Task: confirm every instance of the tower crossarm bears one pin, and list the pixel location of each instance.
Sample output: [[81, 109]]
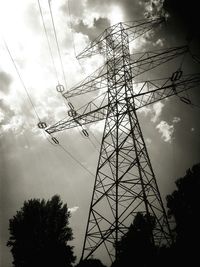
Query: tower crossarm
[[97, 80], [144, 93], [149, 60], [134, 29], [79, 119], [151, 91], [143, 62], [138, 28]]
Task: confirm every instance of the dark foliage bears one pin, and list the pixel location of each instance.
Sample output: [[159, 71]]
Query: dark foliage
[[39, 233], [183, 205], [136, 246], [90, 263]]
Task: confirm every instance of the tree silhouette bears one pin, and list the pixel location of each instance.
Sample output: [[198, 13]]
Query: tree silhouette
[[183, 205], [90, 263], [39, 233], [136, 247]]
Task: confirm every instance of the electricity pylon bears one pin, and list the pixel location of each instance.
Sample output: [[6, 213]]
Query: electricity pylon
[[125, 183]]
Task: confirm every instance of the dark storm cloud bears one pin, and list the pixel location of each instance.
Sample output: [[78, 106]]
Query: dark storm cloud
[[5, 81], [99, 25]]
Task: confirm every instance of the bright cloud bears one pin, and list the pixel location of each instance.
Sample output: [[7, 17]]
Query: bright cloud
[[157, 109], [159, 42], [73, 209], [116, 15], [98, 126], [176, 120], [148, 141], [25, 38], [166, 131], [145, 110]]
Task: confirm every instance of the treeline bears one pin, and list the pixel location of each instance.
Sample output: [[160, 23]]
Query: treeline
[[40, 233]]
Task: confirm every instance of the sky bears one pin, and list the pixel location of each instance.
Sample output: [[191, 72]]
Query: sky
[[31, 166]]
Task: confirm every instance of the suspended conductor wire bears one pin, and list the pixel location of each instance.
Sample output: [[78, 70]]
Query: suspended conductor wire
[[187, 101], [12, 59], [194, 105], [49, 46], [75, 54], [77, 161], [20, 77], [195, 57], [24, 86], [56, 38], [182, 61], [47, 38], [93, 144], [70, 25], [73, 42], [95, 138], [74, 49]]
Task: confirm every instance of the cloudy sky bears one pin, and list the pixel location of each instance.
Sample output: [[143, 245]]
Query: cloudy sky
[[30, 165]]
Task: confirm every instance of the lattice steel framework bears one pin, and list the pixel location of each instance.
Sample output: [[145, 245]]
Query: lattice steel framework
[[125, 182]]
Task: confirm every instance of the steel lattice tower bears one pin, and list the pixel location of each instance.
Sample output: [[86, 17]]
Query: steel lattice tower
[[125, 183]]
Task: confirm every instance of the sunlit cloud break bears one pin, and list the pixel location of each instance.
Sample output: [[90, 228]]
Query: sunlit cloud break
[[73, 209], [157, 110], [166, 131]]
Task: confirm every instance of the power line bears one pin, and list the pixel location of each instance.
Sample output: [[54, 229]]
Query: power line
[[75, 54], [73, 42], [50, 50], [70, 25], [28, 95], [20, 77], [195, 57], [49, 46], [77, 161], [57, 143], [56, 38], [93, 144], [95, 138], [194, 105], [47, 38]]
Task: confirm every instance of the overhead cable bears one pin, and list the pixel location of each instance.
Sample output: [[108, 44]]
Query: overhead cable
[[48, 41], [20, 77], [37, 115], [73, 42], [58, 47], [57, 143]]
